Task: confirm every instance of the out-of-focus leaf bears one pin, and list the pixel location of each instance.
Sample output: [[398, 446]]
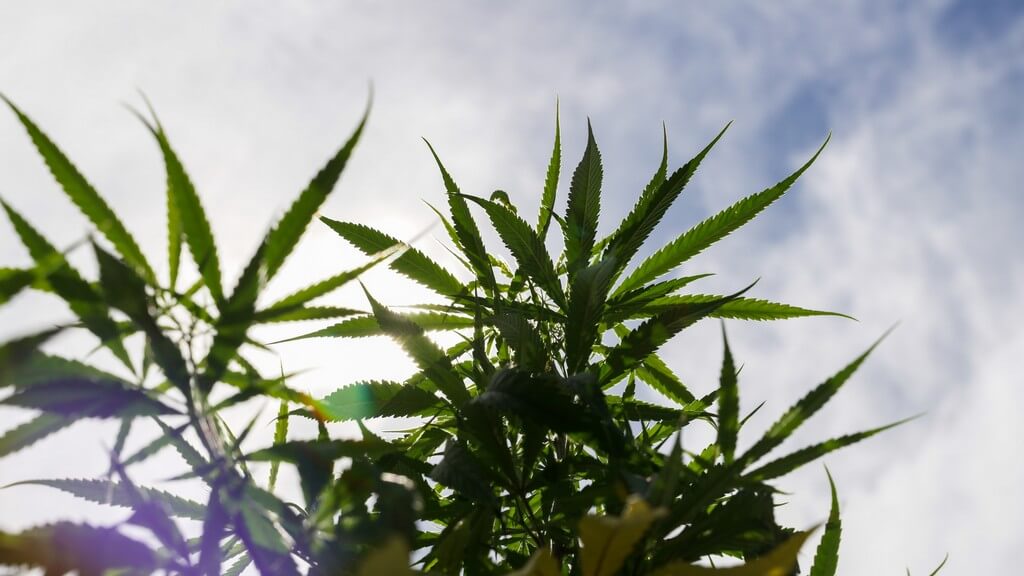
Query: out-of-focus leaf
[[13, 281], [778, 562], [365, 400], [112, 493], [87, 550], [542, 563], [81, 398], [391, 558], [607, 541], [70, 286], [24, 435]]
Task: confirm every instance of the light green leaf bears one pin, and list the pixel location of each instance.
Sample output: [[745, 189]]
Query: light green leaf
[[412, 263], [466, 230], [428, 356], [190, 213], [85, 197], [547, 200], [527, 248]]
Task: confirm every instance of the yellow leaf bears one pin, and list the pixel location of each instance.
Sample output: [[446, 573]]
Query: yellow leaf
[[608, 541], [778, 562], [542, 563], [392, 559]]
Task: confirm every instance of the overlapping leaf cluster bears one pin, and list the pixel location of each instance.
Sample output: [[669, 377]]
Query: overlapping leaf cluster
[[546, 441]]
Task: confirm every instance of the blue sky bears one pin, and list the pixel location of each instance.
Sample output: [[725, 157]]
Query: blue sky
[[911, 215]]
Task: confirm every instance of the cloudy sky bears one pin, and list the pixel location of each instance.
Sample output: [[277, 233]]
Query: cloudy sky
[[911, 214]]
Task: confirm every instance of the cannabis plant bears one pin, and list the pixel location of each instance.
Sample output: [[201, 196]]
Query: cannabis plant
[[533, 444]]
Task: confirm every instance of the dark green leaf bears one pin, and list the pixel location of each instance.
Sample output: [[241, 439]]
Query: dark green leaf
[[527, 248], [640, 343], [709, 231], [70, 286], [651, 207], [584, 207], [790, 462], [728, 404], [190, 213], [826, 559], [804, 409], [82, 397], [370, 326], [88, 550]]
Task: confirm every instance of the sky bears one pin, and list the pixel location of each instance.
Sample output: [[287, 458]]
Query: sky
[[910, 216]]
